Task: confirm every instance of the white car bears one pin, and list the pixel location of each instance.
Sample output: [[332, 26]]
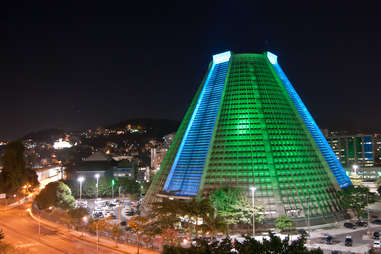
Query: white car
[[376, 244]]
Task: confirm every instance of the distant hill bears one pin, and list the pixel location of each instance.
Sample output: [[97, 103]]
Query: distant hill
[[46, 135], [155, 127]]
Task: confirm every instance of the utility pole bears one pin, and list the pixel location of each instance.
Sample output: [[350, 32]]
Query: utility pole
[[367, 207], [112, 188], [97, 237], [97, 177], [119, 205], [253, 204], [39, 224], [308, 218]]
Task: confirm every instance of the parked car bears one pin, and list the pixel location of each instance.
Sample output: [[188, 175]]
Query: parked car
[[326, 239], [377, 221], [97, 214], [376, 244], [130, 213], [376, 235], [361, 223], [349, 225], [302, 231], [115, 202], [348, 241]]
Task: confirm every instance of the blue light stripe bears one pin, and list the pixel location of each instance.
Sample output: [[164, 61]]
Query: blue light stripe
[[335, 166], [188, 166]]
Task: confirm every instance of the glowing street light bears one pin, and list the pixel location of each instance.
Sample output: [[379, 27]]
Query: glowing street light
[[355, 168], [112, 187], [80, 180], [97, 177], [253, 189]]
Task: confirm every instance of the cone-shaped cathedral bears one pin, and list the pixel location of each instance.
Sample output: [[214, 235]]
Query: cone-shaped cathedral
[[247, 126]]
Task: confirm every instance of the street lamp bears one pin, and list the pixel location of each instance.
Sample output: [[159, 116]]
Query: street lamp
[[97, 236], [112, 187], [308, 216], [80, 180], [253, 189], [355, 167], [97, 177]]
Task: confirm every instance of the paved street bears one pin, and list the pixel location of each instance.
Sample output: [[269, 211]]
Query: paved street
[[360, 245], [22, 231]]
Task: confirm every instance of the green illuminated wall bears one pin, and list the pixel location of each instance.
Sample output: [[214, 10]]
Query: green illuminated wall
[[260, 140]]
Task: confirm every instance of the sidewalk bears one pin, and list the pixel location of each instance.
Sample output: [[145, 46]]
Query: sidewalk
[[103, 241]]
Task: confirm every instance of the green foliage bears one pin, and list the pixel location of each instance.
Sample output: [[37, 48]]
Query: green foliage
[[356, 198], [248, 246], [235, 206], [243, 210], [14, 173], [186, 217], [55, 194], [75, 216], [116, 231], [283, 223], [89, 189], [77, 213]]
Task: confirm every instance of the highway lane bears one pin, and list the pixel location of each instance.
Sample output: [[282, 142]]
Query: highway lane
[[22, 231]]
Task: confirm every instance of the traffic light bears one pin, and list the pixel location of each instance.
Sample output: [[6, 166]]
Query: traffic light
[[113, 182]]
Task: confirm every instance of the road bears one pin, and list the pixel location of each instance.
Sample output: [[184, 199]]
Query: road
[[22, 232]]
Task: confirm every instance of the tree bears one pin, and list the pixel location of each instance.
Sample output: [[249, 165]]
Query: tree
[[283, 223], [100, 225], [116, 232], [235, 206], [170, 237], [242, 210], [137, 225], [76, 215], [356, 199], [213, 223], [222, 200], [166, 215], [185, 216], [127, 186], [55, 194], [14, 174], [248, 246]]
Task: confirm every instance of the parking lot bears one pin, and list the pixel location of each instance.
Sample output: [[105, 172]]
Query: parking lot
[[109, 208]]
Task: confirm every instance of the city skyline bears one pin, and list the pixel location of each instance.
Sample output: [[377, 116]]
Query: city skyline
[[80, 66]]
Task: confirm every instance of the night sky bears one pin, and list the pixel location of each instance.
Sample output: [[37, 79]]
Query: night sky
[[75, 65]]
